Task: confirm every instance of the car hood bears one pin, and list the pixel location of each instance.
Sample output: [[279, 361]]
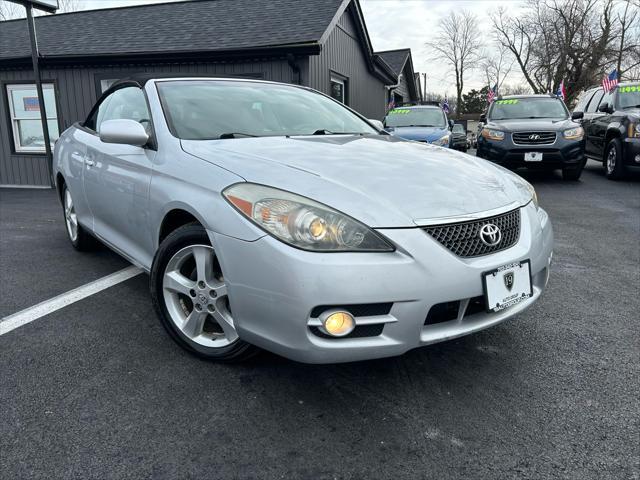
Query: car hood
[[380, 180], [423, 134], [631, 111], [532, 125]]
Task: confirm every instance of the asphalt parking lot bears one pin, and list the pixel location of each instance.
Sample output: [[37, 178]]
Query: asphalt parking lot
[[98, 390]]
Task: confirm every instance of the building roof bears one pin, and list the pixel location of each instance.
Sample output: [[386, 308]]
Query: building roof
[[396, 59], [191, 26]]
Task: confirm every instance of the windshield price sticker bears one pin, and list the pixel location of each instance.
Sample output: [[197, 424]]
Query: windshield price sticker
[[507, 102], [399, 111], [629, 89]]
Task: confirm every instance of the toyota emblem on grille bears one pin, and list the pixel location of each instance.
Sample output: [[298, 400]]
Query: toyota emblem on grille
[[534, 136], [490, 235]]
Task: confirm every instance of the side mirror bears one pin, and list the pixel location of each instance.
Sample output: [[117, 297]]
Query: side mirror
[[605, 108], [376, 123], [483, 118], [124, 131], [451, 124], [577, 115]]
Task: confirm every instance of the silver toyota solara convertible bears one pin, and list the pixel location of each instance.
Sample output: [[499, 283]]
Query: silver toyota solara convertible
[[272, 216]]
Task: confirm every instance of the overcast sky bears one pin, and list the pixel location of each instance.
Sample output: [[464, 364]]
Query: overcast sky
[[405, 23]]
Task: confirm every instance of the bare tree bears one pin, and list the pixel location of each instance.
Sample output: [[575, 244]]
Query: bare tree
[[496, 64], [10, 10], [458, 44], [571, 40], [439, 97], [70, 6], [628, 46], [516, 90]]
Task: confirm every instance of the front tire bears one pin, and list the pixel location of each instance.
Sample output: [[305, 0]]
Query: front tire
[[78, 236], [572, 174], [190, 296], [613, 166]]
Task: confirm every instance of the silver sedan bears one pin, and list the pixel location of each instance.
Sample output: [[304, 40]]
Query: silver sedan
[[272, 216]]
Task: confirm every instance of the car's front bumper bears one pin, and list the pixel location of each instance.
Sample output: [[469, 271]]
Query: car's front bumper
[[276, 290], [562, 153], [631, 152]]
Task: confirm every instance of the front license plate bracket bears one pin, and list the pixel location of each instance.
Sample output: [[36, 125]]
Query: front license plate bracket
[[507, 285]]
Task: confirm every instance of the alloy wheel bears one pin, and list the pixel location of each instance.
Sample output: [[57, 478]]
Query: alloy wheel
[[70, 217], [195, 295]]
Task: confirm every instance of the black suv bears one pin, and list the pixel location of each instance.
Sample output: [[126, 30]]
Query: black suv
[[533, 131], [612, 127], [459, 137]]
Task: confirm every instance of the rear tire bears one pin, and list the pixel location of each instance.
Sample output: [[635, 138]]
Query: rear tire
[[190, 297], [78, 236], [613, 166]]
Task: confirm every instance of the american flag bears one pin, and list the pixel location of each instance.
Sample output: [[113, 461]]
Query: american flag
[[609, 82], [392, 104], [445, 105], [493, 93], [561, 91]]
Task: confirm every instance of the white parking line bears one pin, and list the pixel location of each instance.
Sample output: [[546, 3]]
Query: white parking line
[[30, 314]]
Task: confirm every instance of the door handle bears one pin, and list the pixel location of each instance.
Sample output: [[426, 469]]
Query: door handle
[[77, 156]]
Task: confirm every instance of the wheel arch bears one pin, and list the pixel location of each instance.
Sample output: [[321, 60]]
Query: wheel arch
[[60, 183], [614, 131], [175, 217]]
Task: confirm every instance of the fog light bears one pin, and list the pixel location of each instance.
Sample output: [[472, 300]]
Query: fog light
[[637, 159], [337, 323]]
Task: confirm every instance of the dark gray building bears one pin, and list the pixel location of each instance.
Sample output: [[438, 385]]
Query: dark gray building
[[320, 43], [407, 88]]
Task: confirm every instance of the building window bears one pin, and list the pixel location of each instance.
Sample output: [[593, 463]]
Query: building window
[[339, 89], [24, 110]]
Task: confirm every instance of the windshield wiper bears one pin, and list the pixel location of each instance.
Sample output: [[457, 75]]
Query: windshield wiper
[[630, 106], [225, 136]]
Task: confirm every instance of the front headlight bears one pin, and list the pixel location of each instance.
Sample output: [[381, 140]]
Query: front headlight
[[634, 130], [302, 222], [491, 134], [442, 141], [574, 133]]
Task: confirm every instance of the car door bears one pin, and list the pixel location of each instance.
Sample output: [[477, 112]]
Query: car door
[[117, 178], [591, 114], [600, 124]]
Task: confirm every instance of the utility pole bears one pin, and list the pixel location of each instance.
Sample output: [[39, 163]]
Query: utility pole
[[424, 97]]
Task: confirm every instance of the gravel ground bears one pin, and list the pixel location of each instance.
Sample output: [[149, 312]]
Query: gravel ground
[[98, 390]]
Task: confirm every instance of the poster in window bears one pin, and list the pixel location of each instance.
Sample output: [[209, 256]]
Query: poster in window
[[31, 104]]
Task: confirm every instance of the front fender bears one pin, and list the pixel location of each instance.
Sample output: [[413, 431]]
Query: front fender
[[200, 196]]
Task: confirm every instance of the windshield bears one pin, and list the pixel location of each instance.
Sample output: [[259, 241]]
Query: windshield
[[628, 96], [211, 109], [532, 107], [415, 117], [458, 128]]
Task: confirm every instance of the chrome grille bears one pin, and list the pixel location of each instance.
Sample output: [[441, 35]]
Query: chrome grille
[[463, 238], [534, 138]]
